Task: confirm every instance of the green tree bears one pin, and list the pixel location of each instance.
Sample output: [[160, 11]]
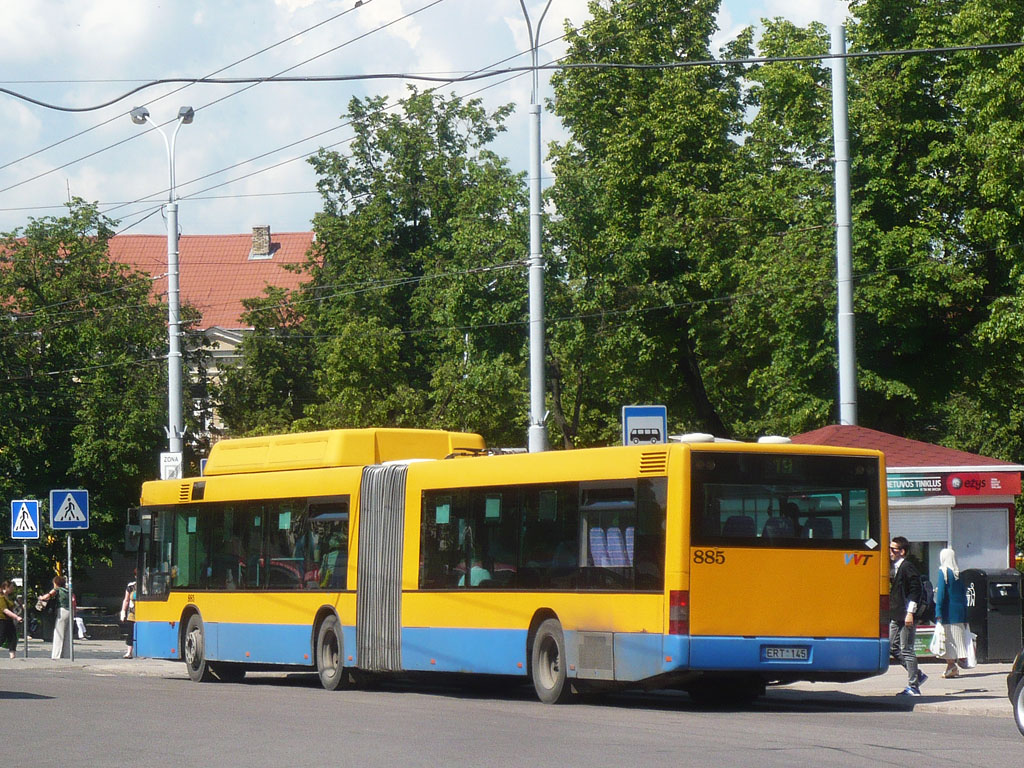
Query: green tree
[[82, 387], [778, 357], [414, 312], [644, 239], [936, 230], [272, 387]]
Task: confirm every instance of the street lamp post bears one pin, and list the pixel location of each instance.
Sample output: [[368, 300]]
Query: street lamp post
[[537, 436], [175, 426]]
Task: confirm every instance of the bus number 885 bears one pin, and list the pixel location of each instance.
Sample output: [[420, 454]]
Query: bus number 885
[[709, 556]]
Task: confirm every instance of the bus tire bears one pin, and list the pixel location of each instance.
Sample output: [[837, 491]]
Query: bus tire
[[1018, 706], [195, 651], [330, 649], [548, 664]]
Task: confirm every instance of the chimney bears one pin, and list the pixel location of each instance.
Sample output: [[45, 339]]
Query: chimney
[[260, 243]]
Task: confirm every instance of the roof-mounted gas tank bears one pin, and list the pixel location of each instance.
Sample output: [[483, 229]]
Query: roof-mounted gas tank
[[335, 448]]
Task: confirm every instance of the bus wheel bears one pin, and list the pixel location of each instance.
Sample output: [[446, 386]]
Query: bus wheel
[[329, 649], [547, 664], [1017, 700], [195, 651]]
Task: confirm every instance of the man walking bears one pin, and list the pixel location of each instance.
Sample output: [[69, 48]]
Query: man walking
[[904, 595]]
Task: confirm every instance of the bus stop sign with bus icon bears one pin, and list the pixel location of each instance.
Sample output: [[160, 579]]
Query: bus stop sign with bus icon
[[644, 424]]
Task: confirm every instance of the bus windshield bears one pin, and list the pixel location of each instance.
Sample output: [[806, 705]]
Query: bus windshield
[[772, 500]]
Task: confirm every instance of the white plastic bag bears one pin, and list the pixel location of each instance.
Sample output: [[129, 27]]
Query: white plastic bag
[[937, 647], [972, 654]]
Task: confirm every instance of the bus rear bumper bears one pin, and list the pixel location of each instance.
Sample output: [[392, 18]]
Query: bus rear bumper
[[791, 657]]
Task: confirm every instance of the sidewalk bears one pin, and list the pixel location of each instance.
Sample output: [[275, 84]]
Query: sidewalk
[[97, 656], [980, 691]]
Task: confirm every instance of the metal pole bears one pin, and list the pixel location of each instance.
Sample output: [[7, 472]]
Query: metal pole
[[537, 436], [71, 607], [844, 238], [174, 419], [24, 598], [175, 422]]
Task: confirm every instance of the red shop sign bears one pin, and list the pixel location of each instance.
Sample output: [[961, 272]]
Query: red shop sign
[[982, 483]]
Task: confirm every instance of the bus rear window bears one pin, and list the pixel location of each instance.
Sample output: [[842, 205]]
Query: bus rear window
[[783, 500]]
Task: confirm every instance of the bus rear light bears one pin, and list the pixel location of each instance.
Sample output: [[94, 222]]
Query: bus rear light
[[678, 612], [883, 616]]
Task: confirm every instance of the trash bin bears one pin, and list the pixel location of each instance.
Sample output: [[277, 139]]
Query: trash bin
[[994, 611], [44, 624]]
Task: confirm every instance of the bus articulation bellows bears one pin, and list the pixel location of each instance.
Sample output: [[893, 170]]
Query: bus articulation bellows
[[711, 566]]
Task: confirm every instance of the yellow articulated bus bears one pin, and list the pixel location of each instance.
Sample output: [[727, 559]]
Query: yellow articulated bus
[[714, 567]]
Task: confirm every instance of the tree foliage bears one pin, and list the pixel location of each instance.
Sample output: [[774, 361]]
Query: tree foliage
[[644, 236], [82, 382], [414, 312]]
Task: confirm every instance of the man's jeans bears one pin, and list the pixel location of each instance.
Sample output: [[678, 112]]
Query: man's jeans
[[901, 648]]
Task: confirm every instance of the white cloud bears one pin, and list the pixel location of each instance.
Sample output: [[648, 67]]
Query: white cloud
[[378, 13], [128, 42]]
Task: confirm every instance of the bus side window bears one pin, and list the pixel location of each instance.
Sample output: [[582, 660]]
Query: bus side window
[[549, 545], [284, 559], [328, 559]]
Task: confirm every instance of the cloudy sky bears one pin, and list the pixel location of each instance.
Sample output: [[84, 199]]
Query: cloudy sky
[[241, 163]]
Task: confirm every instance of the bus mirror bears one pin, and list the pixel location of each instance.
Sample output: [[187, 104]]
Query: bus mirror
[[132, 534], [132, 531]]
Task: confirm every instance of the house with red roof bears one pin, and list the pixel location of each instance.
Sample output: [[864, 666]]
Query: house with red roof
[[940, 497], [216, 272]]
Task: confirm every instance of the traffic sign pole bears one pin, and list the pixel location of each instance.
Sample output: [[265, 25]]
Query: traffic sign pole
[[71, 606], [24, 599]]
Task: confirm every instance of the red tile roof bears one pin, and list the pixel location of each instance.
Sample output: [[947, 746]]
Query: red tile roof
[[215, 271], [899, 451]]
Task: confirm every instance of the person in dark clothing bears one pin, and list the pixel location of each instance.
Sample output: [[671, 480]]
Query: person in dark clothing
[[9, 618], [904, 595]]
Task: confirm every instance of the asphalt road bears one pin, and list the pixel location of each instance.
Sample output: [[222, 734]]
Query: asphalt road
[[104, 711]]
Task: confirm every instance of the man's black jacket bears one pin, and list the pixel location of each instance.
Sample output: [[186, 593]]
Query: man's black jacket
[[905, 586]]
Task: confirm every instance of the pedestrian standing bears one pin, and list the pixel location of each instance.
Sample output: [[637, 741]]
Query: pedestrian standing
[[128, 615], [904, 595], [9, 618], [62, 629], [951, 612]]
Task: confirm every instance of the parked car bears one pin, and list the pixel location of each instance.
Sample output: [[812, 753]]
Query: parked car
[[1015, 690]]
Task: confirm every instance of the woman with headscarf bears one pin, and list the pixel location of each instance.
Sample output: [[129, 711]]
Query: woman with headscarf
[[951, 612]]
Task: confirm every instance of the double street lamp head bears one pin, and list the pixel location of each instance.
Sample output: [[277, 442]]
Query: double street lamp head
[[185, 115]]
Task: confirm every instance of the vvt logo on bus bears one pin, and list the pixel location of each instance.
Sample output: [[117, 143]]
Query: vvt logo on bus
[[857, 558]]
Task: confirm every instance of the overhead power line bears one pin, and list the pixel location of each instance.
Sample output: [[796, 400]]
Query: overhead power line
[[252, 82], [305, 155], [451, 79], [176, 90]]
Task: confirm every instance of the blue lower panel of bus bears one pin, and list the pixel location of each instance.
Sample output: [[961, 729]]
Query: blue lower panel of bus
[[157, 640], [490, 651], [637, 656], [251, 643], [789, 654], [259, 643]]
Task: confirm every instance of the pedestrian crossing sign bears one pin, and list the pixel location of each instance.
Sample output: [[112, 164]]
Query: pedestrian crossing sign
[[25, 519], [69, 510]]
